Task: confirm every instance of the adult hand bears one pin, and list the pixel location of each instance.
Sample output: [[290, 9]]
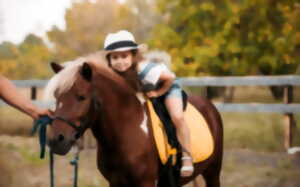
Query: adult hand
[[39, 112]]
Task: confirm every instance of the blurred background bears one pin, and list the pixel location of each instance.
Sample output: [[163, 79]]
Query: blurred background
[[204, 38]]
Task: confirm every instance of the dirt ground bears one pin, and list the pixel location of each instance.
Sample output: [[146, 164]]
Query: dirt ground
[[20, 166]]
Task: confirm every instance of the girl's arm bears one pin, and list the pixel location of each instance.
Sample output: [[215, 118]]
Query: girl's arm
[[167, 81], [9, 93]]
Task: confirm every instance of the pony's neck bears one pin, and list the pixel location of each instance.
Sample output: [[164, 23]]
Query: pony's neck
[[121, 111]]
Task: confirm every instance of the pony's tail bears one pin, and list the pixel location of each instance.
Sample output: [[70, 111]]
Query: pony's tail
[[157, 56]]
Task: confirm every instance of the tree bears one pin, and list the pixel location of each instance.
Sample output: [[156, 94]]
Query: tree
[[228, 37], [87, 23], [33, 60], [8, 54]]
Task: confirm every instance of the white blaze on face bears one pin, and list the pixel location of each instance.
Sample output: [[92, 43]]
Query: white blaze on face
[[143, 125]]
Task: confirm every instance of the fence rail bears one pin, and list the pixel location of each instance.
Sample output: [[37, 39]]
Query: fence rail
[[284, 80], [242, 81], [30, 83], [287, 107]]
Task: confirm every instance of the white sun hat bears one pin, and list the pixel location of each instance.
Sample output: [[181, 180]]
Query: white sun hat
[[122, 40]]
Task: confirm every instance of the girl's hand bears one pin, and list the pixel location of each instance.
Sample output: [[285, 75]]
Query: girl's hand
[[152, 94]]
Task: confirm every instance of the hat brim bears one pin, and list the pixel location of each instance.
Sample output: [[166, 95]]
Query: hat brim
[[141, 48]]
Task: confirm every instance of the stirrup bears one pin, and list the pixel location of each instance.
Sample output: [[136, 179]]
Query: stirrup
[[189, 169]]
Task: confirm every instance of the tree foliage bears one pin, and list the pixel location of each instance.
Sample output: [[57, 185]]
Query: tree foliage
[[27, 60], [33, 60], [229, 37], [204, 37], [87, 23]]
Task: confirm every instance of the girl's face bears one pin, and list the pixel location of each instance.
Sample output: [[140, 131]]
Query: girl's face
[[121, 61]]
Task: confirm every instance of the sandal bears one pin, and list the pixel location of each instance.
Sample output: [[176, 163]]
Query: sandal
[[186, 169]]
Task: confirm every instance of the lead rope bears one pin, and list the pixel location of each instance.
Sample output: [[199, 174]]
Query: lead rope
[[51, 166], [41, 125], [74, 163]]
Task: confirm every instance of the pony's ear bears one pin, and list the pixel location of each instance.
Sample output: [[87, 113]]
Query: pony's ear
[[56, 67], [86, 72]]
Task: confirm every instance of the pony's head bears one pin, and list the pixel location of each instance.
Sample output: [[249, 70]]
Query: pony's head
[[71, 87]]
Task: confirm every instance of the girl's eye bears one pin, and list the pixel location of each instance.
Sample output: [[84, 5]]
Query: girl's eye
[[115, 57], [124, 56], [80, 97]]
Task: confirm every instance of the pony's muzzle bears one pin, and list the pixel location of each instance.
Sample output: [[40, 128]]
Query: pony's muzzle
[[77, 135]]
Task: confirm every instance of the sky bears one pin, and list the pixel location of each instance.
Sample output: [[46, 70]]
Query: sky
[[20, 17]]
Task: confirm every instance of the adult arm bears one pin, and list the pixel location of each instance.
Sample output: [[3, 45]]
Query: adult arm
[[10, 94]]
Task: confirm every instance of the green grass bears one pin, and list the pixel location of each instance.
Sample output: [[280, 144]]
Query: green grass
[[248, 168], [13, 122], [31, 157], [256, 131]]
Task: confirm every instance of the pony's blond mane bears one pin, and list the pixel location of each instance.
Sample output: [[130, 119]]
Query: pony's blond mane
[[64, 80]]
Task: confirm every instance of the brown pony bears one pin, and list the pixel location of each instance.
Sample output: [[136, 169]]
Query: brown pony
[[91, 95]]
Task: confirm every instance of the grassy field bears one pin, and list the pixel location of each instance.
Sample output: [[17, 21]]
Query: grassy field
[[254, 154]]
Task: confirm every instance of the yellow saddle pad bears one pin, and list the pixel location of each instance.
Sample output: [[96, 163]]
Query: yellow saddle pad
[[202, 144]]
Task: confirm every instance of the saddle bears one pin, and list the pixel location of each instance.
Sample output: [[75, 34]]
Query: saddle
[[164, 132]]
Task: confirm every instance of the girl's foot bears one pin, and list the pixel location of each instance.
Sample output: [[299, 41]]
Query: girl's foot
[[187, 167]]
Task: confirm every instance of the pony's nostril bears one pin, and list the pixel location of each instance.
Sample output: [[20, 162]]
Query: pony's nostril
[[77, 135], [61, 137]]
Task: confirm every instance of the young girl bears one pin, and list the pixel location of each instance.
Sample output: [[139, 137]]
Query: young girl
[[157, 80]]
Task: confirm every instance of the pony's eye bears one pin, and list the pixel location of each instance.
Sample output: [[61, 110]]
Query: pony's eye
[[80, 97]]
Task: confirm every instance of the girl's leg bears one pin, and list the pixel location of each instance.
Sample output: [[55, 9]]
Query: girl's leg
[[175, 109]]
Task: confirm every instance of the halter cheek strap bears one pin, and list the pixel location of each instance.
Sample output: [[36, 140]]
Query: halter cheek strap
[[95, 105], [70, 123]]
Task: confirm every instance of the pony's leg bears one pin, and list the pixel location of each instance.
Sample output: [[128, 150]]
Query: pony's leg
[[197, 182], [117, 184], [147, 184], [136, 184], [212, 175]]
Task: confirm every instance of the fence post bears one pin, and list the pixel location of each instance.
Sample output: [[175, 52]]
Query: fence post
[[289, 120], [205, 92], [33, 93]]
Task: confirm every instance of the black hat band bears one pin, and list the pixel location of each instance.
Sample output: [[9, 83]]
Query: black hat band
[[121, 44]]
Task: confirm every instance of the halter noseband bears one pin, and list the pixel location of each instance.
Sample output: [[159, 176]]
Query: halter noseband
[[70, 123]]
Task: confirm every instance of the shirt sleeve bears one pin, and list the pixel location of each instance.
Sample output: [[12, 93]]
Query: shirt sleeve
[[152, 77], [149, 73]]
